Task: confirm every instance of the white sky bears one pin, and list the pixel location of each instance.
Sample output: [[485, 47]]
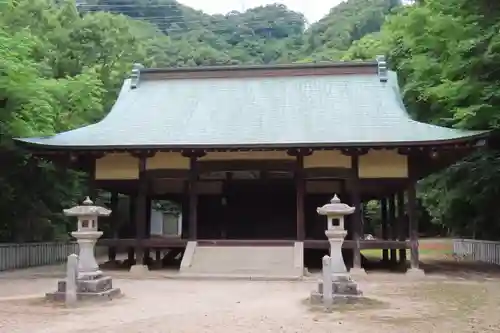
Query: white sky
[[312, 9]]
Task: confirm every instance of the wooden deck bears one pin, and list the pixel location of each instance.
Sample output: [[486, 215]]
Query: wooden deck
[[165, 242]]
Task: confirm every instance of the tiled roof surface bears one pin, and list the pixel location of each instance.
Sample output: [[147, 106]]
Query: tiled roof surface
[[324, 110]]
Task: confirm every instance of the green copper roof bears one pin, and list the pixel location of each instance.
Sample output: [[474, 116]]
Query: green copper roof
[[286, 111]]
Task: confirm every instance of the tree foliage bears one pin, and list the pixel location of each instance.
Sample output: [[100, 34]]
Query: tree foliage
[[61, 67], [446, 53]]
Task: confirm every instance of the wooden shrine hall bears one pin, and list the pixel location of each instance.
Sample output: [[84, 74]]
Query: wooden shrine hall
[[249, 152]]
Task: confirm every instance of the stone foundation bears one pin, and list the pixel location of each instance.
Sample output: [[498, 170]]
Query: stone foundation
[[97, 288], [344, 290]]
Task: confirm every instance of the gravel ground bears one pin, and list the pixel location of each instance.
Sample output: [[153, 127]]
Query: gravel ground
[[159, 305]]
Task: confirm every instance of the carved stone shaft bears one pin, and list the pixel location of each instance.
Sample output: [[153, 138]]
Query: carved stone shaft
[[327, 282], [71, 277]]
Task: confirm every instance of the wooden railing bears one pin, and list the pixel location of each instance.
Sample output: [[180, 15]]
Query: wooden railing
[[25, 255], [477, 250]]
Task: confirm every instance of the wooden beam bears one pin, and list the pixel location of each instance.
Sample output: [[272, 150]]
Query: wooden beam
[[363, 244], [167, 174], [333, 173], [243, 165], [176, 242], [245, 242]]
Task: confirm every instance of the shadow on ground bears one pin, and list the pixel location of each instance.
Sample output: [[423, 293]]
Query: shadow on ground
[[460, 269]]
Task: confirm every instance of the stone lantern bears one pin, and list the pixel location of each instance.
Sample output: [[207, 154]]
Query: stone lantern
[[86, 235], [335, 232], [86, 281], [336, 285]]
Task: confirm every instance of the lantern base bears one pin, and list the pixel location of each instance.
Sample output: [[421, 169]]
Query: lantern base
[[97, 288], [87, 296], [344, 290]]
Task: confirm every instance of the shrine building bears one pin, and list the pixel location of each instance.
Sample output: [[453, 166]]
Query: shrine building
[[250, 152]]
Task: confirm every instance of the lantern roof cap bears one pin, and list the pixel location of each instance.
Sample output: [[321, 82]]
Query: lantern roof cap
[[335, 207], [87, 208]]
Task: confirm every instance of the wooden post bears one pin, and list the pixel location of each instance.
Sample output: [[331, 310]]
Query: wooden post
[[383, 213], [132, 201], [401, 226], [356, 216], [193, 199], [140, 210], [114, 224], [147, 227], [300, 195], [225, 213], [91, 178], [392, 226], [413, 222]]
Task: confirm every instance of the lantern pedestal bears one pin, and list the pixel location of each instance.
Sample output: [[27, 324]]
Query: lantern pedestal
[[87, 263], [336, 239], [88, 280]]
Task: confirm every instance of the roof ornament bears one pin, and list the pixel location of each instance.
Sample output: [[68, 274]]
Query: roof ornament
[[382, 68], [135, 75]]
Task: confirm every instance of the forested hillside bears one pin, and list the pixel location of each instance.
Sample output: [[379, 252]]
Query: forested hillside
[[62, 64]]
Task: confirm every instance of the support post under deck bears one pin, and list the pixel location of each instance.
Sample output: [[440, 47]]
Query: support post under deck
[[300, 195], [401, 225], [140, 210], [356, 216], [383, 213], [193, 198], [114, 225], [392, 227], [413, 224]]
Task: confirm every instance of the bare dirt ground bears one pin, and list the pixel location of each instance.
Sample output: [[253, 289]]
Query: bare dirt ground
[[436, 303]]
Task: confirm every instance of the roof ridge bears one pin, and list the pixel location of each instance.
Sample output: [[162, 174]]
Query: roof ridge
[[322, 64], [377, 67]]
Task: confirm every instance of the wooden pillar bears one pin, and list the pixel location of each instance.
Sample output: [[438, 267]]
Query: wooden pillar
[[356, 216], [193, 198], [140, 210], [300, 185], [383, 217], [132, 199], [114, 224], [91, 178], [392, 227], [147, 226], [413, 225], [401, 226], [224, 225]]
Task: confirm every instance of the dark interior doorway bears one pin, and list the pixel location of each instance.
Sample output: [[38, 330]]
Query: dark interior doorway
[[250, 209]]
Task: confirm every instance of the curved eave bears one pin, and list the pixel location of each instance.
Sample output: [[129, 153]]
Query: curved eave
[[43, 144]]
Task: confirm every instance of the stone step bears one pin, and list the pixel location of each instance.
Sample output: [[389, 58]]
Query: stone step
[[245, 260]]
